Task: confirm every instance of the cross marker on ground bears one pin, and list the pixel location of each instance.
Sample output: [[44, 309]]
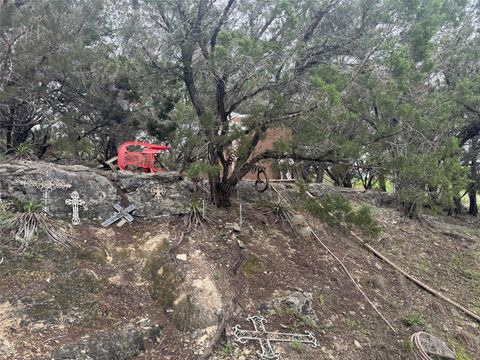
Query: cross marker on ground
[[265, 338], [122, 215]]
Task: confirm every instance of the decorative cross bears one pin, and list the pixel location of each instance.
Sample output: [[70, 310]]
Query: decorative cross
[[158, 192], [265, 338], [121, 214], [75, 202], [46, 185]]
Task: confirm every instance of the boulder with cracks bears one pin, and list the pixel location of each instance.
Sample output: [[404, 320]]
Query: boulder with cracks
[[125, 343]]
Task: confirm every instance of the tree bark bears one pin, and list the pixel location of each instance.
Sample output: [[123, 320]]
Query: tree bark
[[111, 147], [472, 190], [457, 201], [382, 184], [320, 172]]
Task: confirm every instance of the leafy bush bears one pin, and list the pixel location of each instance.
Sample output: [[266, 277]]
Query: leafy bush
[[336, 210]]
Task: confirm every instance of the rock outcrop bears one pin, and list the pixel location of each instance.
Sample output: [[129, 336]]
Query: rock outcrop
[[123, 344], [157, 194], [20, 182], [154, 195]]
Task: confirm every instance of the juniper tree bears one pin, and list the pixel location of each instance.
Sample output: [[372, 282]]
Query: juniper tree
[[254, 57]]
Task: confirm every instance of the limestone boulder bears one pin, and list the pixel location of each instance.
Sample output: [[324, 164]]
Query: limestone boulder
[[25, 181], [124, 343], [156, 195]]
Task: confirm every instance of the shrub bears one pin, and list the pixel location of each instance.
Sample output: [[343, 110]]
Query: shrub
[[336, 210]]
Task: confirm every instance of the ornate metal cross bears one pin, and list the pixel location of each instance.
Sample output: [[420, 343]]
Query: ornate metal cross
[[158, 192], [265, 338], [75, 202], [121, 214], [46, 185]]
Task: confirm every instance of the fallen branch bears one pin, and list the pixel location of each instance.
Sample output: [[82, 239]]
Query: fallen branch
[[344, 268], [415, 280], [408, 276]]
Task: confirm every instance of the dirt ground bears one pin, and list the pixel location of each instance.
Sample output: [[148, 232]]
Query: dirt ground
[[49, 297]]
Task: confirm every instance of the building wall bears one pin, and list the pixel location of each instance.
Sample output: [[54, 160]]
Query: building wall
[[272, 135]]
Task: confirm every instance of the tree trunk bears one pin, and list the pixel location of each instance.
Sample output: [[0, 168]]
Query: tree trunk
[[382, 183], [111, 147], [472, 190], [457, 201], [320, 172], [220, 191]]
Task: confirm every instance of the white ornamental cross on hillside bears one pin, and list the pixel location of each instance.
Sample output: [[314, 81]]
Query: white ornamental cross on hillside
[[46, 185], [265, 337], [75, 202]]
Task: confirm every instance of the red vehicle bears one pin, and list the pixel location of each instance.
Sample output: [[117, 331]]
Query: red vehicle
[[141, 155]]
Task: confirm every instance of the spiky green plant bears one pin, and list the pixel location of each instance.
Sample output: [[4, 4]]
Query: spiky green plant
[[25, 151], [281, 210], [195, 216]]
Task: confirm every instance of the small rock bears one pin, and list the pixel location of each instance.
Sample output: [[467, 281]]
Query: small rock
[[378, 266], [357, 344], [240, 243], [182, 257], [299, 220], [305, 231]]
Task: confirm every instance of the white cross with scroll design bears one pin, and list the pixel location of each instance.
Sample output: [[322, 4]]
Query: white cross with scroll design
[[158, 192], [75, 202], [265, 338], [46, 185]]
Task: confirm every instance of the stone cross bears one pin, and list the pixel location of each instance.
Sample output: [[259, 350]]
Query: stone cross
[[158, 192], [265, 338], [75, 202], [121, 214], [46, 185]]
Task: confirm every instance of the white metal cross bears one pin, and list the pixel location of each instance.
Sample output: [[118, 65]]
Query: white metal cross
[[158, 192], [75, 202], [46, 185], [265, 338]]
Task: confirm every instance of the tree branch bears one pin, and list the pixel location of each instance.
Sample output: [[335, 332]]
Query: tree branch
[[221, 21]]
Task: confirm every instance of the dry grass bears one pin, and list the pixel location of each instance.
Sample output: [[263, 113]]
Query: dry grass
[[21, 229]]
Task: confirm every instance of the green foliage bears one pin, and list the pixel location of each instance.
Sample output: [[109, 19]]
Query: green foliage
[[298, 347], [460, 351], [29, 207], [414, 319], [194, 216], [201, 170], [227, 350], [336, 210], [252, 266], [431, 179], [25, 151]]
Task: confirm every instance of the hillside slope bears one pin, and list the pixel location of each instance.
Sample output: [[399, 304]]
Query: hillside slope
[[174, 287]]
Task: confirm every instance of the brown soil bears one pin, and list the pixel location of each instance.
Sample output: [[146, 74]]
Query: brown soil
[[442, 251]]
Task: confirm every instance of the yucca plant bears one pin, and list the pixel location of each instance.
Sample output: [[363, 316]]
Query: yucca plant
[[24, 226], [195, 217], [281, 210], [25, 151]]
